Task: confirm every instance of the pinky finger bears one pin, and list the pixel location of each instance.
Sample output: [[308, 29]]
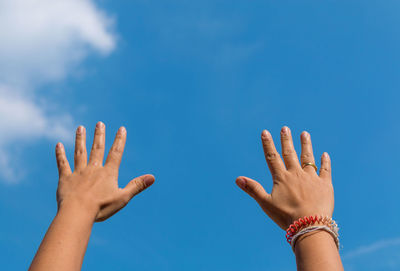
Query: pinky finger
[[326, 171], [62, 163]]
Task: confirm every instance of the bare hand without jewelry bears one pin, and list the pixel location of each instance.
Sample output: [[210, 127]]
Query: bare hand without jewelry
[[93, 186]]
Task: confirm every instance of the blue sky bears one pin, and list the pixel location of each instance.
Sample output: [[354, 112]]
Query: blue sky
[[195, 83]]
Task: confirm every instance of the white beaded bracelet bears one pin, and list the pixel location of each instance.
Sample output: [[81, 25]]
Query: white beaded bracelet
[[334, 233]]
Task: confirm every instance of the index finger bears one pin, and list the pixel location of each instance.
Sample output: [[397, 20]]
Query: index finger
[[272, 157], [115, 155]]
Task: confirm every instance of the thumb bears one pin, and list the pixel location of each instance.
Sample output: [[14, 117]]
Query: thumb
[[254, 189], [138, 184]]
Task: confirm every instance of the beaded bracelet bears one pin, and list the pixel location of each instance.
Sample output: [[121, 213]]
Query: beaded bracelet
[[323, 223], [334, 235]]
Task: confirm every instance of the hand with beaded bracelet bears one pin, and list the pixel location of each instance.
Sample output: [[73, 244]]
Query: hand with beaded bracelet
[[301, 201]]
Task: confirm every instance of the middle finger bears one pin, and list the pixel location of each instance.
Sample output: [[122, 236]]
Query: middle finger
[[288, 152]]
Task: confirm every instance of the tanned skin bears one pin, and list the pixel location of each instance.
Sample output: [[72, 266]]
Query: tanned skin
[[296, 193], [89, 194]]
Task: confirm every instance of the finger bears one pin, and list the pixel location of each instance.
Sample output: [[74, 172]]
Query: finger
[[62, 163], [80, 149], [97, 152], [254, 189], [137, 185], [325, 171], [274, 161], [288, 153], [307, 155], [115, 155]]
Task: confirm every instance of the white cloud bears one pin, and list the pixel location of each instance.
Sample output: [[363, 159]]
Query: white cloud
[[371, 248], [379, 255], [42, 41], [24, 117]]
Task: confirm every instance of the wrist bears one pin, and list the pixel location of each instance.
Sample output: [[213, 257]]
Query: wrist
[[307, 225], [82, 210]]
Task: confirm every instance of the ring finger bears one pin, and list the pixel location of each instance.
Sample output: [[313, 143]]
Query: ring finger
[[307, 156]]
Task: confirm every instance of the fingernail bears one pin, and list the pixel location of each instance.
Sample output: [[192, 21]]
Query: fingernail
[[79, 130], [265, 134], [122, 130], [59, 145], [148, 180], [99, 125], [285, 130], [326, 155], [241, 183], [305, 135]]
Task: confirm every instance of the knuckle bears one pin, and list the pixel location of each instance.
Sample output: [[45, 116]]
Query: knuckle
[[288, 152], [285, 136], [61, 161], [119, 136], [325, 169], [99, 131], [278, 176], [259, 190], [306, 155], [59, 157], [59, 153], [267, 141], [272, 156], [98, 146], [113, 162], [139, 184], [79, 151], [117, 149], [286, 139], [79, 137]]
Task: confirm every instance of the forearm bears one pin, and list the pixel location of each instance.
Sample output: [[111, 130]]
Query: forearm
[[317, 251], [65, 242]]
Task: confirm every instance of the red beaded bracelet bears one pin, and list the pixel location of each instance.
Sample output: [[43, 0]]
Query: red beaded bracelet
[[307, 221]]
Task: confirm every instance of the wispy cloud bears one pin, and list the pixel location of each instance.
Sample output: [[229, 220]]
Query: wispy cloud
[[42, 41], [215, 39], [371, 248]]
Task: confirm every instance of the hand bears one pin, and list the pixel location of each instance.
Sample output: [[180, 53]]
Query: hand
[[296, 192], [92, 186]]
